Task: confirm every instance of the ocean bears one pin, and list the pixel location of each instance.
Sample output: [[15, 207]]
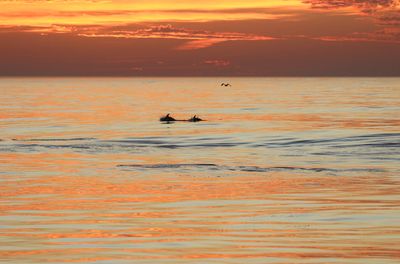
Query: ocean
[[282, 170]]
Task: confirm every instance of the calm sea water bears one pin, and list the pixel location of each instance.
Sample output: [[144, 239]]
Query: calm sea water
[[284, 170]]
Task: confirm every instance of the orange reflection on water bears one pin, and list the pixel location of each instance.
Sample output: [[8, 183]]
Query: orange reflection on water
[[262, 214], [65, 198]]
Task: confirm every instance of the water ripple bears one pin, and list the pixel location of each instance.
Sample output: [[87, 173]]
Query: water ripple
[[212, 166], [370, 146]]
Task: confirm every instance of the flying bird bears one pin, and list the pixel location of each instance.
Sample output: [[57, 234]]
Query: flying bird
[[226, 84]]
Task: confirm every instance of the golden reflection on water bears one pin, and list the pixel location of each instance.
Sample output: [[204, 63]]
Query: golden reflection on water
[[63, 204], [77, 218]]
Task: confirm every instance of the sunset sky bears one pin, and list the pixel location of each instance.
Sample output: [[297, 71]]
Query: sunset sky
[[200, 38]]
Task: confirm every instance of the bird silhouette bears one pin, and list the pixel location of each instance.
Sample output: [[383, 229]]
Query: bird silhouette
[[226, 84]]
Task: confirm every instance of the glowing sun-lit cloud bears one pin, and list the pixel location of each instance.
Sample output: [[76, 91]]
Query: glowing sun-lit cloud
[[388, 35], [365, 5], [81, 12], [386, 13], [174, 37], [196, 38]]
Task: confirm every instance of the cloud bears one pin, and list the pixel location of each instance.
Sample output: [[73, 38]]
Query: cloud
[[130, 14], [385, 35], [385, 11], [391, 17], [218, 63], [54, 1], [355, 20], [53, 29], [199, 44], [197, 39], [386, 14], [263, 13], [10, 29], [137, 69], [364, 5]]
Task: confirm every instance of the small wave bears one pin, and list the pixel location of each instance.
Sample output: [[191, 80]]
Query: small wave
[[55, 146], [378, 145], [385, 135], [57, 139], [250, 109], [174, 143], [382, 146], [371, 140], [242, 168], [140, 141], [167, 166]]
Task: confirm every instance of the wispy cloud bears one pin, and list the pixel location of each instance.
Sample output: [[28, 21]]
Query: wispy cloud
[[52, 29], [389, 17], [218, 63], [73, 16], [364, 5], [197, 39], [264, 13], [386, 13], [385, 35]]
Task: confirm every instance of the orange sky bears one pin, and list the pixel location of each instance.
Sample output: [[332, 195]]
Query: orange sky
[[208, 37]]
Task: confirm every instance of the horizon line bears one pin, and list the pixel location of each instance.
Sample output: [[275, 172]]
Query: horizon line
[[199, 76]]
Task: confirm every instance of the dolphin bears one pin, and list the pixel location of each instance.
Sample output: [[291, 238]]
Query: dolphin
[[167, 118]]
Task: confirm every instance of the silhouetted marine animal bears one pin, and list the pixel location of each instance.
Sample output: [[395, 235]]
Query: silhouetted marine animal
[[195, 119], [167, 118], [226, 84]]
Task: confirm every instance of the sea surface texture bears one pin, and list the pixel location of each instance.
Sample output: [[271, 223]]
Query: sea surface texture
[[283, 170]]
